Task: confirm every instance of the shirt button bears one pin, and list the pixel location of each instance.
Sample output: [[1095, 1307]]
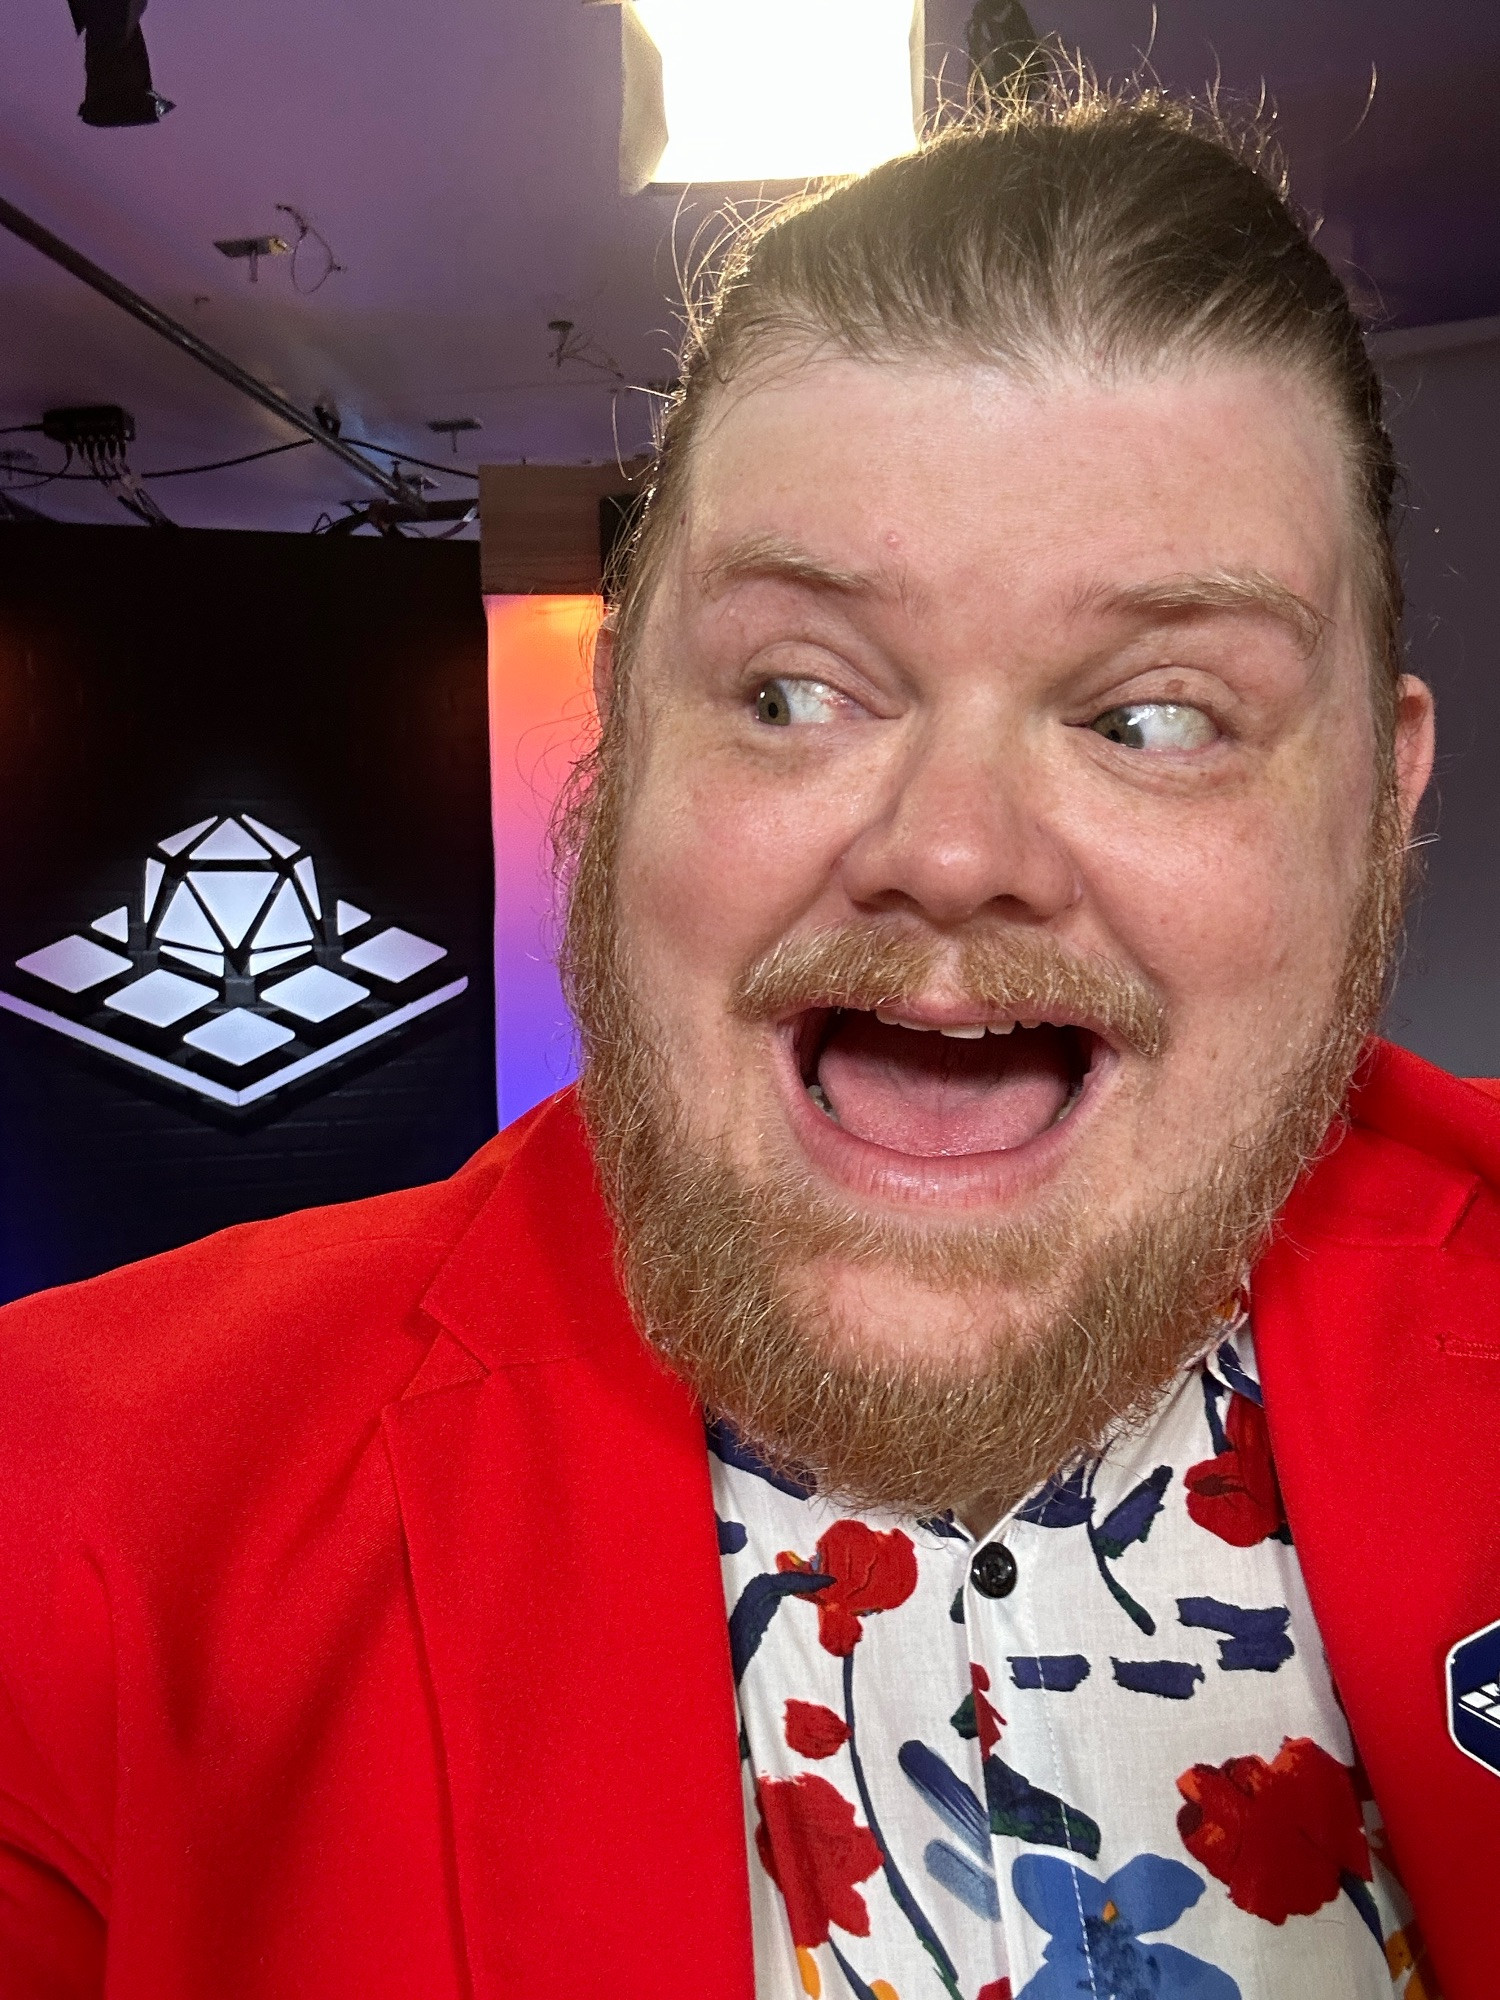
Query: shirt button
[[993, 1570]]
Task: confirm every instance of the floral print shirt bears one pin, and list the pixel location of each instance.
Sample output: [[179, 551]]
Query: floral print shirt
[[1098, 1753]]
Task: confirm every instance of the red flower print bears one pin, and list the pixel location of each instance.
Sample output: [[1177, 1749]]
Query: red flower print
[[872, 1570], [1236, 1496], [988, 1720], [814, 1731], [814, 1852], [996, 1989], [1279, 1836]]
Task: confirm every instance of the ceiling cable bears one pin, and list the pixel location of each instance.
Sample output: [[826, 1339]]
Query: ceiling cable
[[427, 464], [53, 247], [182, 471], [308, 231]]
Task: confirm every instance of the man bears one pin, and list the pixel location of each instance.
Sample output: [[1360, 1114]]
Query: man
[[980, 899]]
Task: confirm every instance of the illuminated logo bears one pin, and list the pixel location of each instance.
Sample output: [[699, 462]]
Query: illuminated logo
[[233, 976]]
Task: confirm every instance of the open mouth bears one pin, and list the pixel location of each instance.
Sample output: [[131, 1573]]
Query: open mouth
[[948, 1090]]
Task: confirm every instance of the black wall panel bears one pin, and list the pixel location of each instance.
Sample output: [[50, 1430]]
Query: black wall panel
[[333, 689]]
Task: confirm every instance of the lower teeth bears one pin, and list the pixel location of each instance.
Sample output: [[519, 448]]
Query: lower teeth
[[1073, 1097]]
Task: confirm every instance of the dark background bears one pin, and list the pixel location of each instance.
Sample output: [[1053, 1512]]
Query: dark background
[[1445, 415], [334, 688]]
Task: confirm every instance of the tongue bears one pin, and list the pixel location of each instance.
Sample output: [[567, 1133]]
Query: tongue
[[933, 1094]]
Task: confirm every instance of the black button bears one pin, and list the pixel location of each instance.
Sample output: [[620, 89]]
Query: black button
[[993, 1570]]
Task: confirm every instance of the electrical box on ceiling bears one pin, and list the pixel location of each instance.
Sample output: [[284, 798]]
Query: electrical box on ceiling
[[86, 425]]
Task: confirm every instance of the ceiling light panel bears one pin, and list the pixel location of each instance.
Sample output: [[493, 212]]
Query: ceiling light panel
[[759, 90]]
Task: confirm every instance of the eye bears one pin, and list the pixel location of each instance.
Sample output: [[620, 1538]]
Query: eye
[[781, 703], [1156, 725]]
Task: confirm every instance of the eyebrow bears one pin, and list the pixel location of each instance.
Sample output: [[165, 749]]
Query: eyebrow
[[1251, 592], [1237, 592], [775, 559]]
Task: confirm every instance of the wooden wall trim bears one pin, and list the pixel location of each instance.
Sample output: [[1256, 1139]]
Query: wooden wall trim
[[539, 524]]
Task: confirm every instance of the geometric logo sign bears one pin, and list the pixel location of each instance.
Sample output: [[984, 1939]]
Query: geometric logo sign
[[232, 974], [1473, 1686]]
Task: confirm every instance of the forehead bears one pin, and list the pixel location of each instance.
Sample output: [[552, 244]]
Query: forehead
[[958, 485]]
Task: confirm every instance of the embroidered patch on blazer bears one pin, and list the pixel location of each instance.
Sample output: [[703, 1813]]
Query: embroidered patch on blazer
[[1473, 1670]]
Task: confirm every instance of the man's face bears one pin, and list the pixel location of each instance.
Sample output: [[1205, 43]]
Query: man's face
[[959, 664]]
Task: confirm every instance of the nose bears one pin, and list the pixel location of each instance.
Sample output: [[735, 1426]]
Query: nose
[[965, 824]]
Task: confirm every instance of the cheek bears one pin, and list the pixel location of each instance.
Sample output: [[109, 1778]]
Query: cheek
[[717, 861], [1236, 911]]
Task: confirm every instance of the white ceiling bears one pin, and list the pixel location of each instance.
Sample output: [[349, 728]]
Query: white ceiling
[[460, 157]]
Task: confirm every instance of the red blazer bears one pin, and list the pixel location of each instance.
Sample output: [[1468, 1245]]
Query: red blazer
[[361, 1630]]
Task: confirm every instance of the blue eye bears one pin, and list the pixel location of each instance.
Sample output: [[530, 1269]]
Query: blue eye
[[781, 703], [1156, 725]]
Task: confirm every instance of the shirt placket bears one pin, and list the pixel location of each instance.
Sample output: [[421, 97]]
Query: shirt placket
[[954, 1554], [1001, 1618]]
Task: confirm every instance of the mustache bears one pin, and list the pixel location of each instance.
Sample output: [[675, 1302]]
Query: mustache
[[885, 962]]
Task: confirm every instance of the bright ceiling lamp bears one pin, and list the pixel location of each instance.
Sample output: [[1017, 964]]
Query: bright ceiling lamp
[[767, 90]]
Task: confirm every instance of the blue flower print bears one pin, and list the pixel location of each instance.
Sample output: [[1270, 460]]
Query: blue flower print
[[1097, 1931], [1069, 1503]]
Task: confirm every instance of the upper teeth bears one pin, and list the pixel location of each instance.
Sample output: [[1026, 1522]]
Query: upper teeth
[[895, 1021], [971, 1031]]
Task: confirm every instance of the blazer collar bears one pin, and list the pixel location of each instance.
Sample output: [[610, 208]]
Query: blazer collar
[[554, 1493], [533, 1277]]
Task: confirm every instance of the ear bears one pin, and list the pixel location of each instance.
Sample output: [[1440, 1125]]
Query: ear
[[1415, 744], [604, 667]]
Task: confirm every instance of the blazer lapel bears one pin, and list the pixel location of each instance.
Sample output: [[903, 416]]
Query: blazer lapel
[[1377, 1332], [554, 1491]]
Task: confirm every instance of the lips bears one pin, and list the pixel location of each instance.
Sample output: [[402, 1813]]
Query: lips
[[942, 1092]]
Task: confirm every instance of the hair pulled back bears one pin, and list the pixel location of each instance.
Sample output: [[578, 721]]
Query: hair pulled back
[[1078, 229]]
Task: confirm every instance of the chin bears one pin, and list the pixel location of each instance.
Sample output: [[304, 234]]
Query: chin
[[889, 1318]]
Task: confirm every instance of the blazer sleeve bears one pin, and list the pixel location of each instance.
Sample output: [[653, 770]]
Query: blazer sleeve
[[52, 1929], [57, 1756], [51, 1938]]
